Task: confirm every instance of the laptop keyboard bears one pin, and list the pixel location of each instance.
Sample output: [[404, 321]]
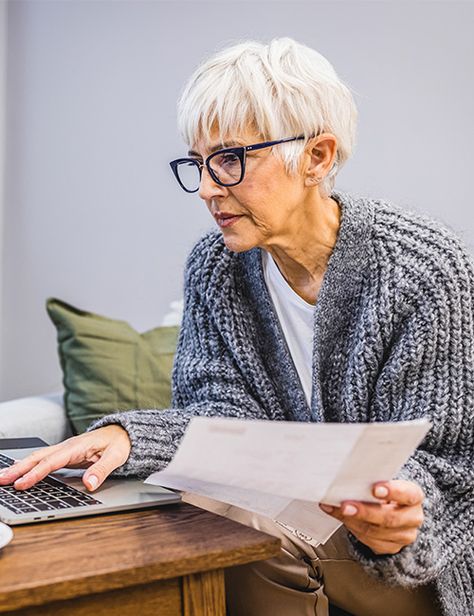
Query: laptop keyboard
[[49, 494]]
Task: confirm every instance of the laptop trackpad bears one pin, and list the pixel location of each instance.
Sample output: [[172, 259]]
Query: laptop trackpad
[[115, 491]]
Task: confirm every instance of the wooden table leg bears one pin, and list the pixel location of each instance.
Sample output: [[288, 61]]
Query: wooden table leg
[[204, 594]]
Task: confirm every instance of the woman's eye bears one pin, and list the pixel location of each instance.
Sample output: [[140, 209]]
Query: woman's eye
[[226, 160]]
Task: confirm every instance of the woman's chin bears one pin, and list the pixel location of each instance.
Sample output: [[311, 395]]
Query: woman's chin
[[236, 243]]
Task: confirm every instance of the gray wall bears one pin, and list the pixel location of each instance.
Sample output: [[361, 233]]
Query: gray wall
[[92, 214], [3, 49]]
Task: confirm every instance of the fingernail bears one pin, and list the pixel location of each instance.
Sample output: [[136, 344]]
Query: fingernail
[[93, 481], [349, 510], [326, 508], [381, 491]]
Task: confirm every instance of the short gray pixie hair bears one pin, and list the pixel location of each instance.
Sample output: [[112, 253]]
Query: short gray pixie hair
[[282, 89]]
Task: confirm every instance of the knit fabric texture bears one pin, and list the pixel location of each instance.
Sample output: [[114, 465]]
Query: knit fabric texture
[[393, 340]]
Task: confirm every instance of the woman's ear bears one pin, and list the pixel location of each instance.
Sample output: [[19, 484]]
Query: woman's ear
[[321, 152]]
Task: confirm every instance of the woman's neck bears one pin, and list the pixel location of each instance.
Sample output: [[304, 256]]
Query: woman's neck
[[303, 253]]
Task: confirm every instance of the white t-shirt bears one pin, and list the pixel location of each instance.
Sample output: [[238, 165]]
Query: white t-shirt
[[296, 319]]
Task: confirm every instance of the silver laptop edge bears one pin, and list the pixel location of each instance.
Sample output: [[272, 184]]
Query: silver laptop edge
[[114, 495]]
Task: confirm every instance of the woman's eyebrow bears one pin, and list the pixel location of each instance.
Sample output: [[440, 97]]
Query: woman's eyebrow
[[214, 148]]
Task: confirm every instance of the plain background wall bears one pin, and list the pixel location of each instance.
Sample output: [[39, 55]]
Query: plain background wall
[[92, 214], [3, 62]]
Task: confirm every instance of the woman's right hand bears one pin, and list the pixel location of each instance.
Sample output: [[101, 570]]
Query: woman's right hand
[[100, 451]]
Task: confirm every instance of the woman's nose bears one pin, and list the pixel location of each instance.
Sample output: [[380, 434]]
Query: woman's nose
[[208, 188]]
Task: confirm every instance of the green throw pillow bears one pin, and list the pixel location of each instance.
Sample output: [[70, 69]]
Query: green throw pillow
[[108, 366]]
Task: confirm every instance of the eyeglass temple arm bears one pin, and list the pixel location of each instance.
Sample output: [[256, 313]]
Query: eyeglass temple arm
[[267, 144]]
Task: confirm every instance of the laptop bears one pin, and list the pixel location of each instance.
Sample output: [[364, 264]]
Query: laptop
[[63, 495]]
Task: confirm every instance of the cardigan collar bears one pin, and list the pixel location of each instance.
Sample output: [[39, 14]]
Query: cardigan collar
[[335, 307]]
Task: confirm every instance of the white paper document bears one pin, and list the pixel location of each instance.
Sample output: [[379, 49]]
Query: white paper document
[[282, 469]]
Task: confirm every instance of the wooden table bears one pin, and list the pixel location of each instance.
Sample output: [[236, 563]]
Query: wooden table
[[161, 562]]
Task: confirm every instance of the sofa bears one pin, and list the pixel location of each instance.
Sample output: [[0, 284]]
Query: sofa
[[44, 415]]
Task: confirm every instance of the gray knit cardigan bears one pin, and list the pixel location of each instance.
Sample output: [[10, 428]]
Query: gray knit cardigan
[[393, 340]]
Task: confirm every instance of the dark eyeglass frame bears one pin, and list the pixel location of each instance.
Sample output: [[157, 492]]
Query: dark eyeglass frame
[[239, 151]]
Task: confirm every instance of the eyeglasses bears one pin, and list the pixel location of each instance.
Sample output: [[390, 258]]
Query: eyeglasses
[[226, 167]]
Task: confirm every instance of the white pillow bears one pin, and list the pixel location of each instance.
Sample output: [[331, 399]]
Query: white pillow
[[41, 416]]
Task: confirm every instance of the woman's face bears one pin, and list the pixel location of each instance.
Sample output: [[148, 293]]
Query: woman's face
[[265, 206]]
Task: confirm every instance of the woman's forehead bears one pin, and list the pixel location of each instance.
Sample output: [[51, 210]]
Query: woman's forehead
[[206, 144]]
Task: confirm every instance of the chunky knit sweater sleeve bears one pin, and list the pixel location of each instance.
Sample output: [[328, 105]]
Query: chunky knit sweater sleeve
[[429, 371], [205, 378]]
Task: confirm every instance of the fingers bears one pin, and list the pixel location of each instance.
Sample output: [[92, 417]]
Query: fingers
[[106, 448], [401, 502], [400, 491], [96, 474], [25, 473], [388, 525], [21, 467], [388, 515], [379, 538], [369, 533]]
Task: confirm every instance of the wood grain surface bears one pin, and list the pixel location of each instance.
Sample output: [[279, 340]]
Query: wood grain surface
[[204, 594], [60, 560], [162, 598]]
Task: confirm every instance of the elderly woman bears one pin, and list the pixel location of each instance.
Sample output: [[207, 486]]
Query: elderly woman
[[311, 304]]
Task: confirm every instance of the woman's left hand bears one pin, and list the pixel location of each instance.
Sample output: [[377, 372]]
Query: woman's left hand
[[388, 526]]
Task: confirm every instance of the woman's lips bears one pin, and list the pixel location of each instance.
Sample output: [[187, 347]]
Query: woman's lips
[[226, 220]]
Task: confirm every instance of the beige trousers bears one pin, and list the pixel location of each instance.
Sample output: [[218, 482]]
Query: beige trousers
[[308, 581]]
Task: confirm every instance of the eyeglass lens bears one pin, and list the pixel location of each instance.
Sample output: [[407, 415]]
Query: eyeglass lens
[[226, 167], [189, 175]]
